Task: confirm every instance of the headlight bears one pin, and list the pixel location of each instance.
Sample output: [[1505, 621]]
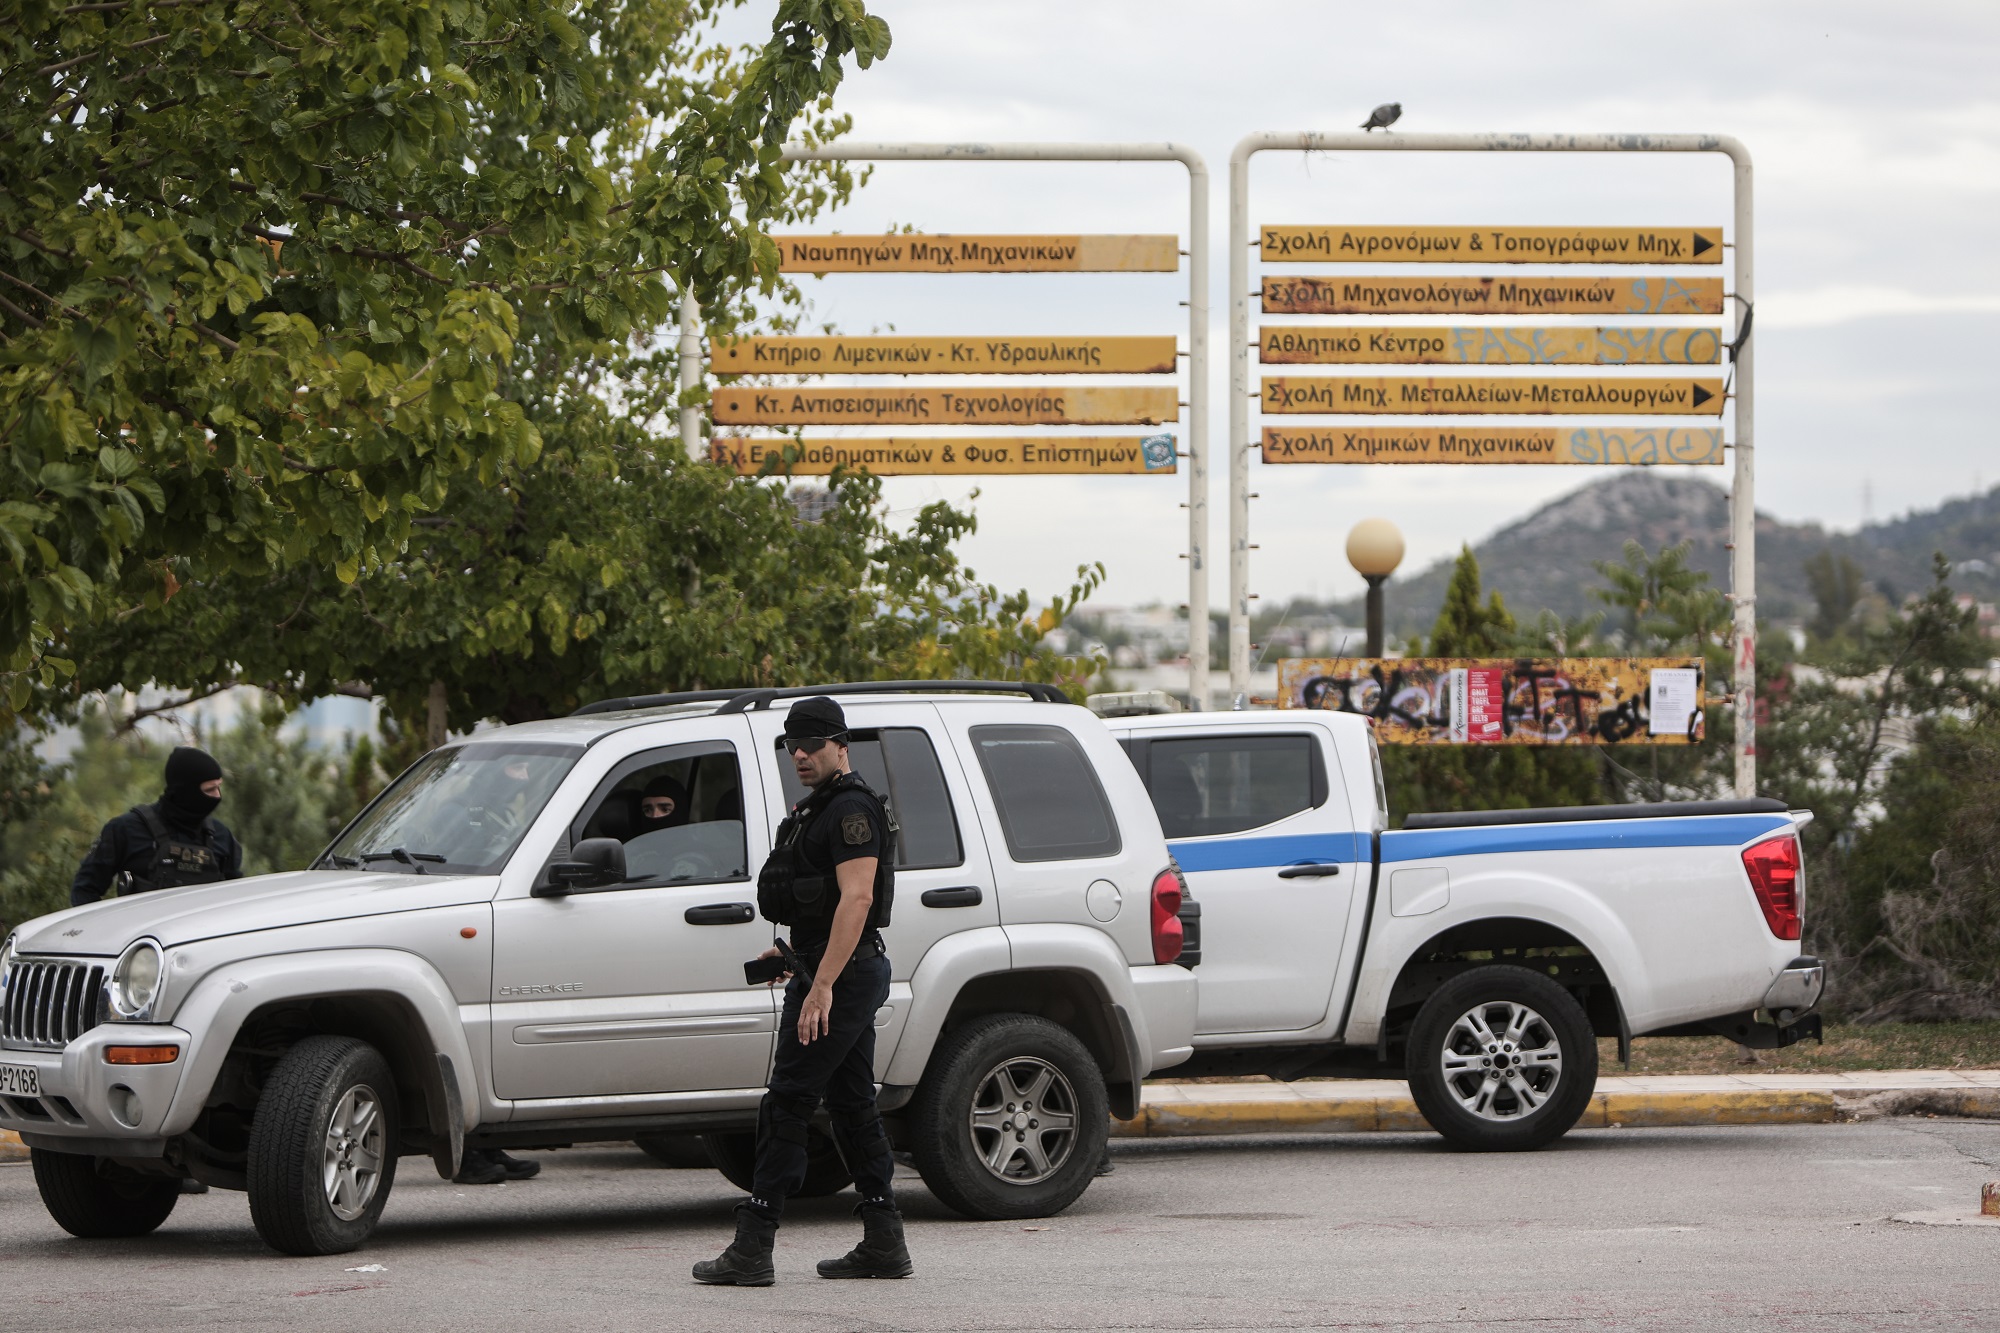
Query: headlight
[[135, 983]]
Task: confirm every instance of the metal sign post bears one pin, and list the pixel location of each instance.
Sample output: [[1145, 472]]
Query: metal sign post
[[1533, 248], [1196, 450]]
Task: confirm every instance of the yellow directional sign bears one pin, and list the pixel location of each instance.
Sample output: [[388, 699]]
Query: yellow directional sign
[[1491, 444], [1491, 245], [1325, 345], [1492, 395], [958, 405], [942, 253], [1492, 296], [944, 356], [899, 456]]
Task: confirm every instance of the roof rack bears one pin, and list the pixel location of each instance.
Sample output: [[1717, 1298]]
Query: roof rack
[[746, 699]]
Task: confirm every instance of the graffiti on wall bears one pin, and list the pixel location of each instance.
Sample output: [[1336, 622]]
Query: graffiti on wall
[[1512, 701]]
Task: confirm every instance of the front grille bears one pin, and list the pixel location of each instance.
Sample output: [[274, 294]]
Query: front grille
[[50, 1002]]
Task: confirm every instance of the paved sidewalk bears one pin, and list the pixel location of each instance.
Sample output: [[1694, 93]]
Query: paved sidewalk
[[1349, 1106]]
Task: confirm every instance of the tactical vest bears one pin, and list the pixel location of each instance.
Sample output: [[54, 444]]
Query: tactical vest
[[176, 860], [790, 891]]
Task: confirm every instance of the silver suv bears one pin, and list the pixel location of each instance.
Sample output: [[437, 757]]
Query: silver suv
[[496, 954]]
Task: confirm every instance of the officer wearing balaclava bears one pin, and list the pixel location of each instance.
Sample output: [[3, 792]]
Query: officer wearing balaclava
[[174, 841], [663, 804]]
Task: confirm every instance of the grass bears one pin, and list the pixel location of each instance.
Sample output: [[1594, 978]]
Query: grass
[[1884, 1046]]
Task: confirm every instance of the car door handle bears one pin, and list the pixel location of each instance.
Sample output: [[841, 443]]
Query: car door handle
[[965, 895], [1316, 870], [721, 914]]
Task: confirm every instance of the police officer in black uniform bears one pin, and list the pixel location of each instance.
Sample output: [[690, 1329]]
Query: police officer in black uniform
[[174, 841], [830, 878]]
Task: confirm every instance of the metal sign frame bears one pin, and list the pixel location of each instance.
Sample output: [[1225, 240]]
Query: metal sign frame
[[1742, 493]]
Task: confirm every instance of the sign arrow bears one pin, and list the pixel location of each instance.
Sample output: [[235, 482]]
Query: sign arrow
[[1702, 245], [1701, 395]]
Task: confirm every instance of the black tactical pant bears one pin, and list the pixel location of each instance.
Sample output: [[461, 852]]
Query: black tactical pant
[[838, 1068]]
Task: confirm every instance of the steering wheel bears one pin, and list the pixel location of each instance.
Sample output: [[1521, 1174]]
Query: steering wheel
[[693, 865]]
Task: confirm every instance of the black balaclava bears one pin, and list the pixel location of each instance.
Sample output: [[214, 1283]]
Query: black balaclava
[[183, 801], [675, 792]]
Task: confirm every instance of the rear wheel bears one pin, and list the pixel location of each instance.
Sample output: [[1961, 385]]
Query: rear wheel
[[1011, 1119], [323, 1147], [1502, 1059], [735, 1156], [99, 1201]]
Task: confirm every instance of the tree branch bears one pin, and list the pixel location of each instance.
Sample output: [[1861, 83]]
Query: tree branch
[[139, 715]]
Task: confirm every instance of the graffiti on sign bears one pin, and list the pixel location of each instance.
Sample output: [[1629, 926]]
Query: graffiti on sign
[[959, 405], [1327, 345], [1522, 701], [906, 456], [1492, 444], [1491, 245], [920, 253], [1480, 396], [943, 356], [1492, 296]]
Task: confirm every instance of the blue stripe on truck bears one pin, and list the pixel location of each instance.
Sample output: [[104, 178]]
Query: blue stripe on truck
[[1691, 831], [1227, 853]]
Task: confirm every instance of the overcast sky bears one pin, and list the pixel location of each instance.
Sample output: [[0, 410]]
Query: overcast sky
[[1876, 133]]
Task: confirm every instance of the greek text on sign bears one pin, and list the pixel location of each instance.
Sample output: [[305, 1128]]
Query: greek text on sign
[[945, 253], [1492, 444], [1492, 245], [960, 405], [1481, 395], [1447, 701], [1323, 345], [944, 356], [902, 456], [1492, 296]]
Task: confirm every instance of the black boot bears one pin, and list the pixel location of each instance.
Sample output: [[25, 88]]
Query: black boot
[[881, 1252], [747, 1261]]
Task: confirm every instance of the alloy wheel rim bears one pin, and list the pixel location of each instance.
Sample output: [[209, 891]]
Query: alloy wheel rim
[[356, 1147], [1023, 1120], [1501, 1061]]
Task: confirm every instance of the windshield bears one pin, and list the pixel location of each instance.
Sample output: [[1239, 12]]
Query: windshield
[[456, 811]]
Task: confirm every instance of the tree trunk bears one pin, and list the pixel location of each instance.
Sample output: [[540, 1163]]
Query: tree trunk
[[434, 729]]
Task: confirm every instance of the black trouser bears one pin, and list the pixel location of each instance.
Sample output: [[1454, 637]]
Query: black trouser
[[838, 1068]]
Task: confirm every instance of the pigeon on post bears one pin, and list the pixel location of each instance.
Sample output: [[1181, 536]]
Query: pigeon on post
[[1382, 117]]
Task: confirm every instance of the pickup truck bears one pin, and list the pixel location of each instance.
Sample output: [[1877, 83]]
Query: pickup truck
[[1479, 955], [495, 954]]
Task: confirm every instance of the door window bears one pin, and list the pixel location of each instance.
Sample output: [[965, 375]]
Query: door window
[[1203, 786], [1051, 806], [679, 812], [902, 764]]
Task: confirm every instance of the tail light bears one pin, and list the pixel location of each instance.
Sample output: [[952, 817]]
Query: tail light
[[1167, 933], [1773, 866]]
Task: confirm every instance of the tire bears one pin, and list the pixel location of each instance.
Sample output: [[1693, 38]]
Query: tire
[[735, 1156], [1486, 1016], [680, 1151], [329, 1106], [97, 1202], [984, 1080]]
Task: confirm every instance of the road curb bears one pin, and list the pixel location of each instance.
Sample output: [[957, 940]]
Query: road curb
[[1374, 1113]]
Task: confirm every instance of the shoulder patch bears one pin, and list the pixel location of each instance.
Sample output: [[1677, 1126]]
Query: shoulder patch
[[854, 829]]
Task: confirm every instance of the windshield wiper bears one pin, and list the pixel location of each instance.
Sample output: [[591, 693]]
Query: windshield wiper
[[338, 862], [404, 856]]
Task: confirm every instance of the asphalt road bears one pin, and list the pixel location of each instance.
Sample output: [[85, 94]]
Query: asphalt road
[[1682, 1229]]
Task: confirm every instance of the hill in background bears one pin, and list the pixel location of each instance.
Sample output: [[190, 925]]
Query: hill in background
[[1545, 561]]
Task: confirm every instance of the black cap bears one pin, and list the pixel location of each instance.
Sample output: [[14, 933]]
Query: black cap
[[187, 767], [817, 716]]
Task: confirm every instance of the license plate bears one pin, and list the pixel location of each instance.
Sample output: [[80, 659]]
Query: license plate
[[20, 1081]]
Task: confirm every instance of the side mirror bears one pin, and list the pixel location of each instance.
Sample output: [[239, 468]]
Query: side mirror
[[592, 864]]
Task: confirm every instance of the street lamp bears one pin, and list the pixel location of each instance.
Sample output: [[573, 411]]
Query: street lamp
[[1375, 548]]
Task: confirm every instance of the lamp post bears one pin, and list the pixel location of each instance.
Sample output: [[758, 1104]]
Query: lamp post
[[1375, 548]]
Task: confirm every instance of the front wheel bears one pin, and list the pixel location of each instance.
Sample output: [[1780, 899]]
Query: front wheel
[[1502, 1059], [99, 1201], [1010, 1120], [323, 1147]]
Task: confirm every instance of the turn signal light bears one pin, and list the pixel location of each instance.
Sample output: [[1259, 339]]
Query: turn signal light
[[1167, 933], [141, 1055], [1773, 866]]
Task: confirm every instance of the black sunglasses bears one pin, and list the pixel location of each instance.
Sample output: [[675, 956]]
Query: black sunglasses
[[806, 744]]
